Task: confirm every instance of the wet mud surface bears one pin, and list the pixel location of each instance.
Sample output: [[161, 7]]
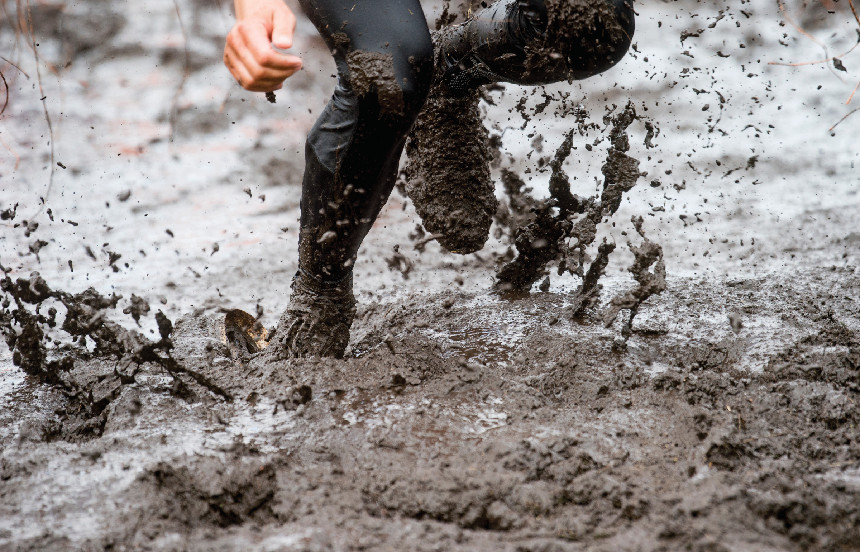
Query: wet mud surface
[[681, 372]]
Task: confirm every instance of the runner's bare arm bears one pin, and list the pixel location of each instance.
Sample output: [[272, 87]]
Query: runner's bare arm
[[248, 53]]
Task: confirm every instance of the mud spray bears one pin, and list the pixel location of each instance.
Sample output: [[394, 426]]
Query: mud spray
[[563, 228], [523, 42], [88, 356]]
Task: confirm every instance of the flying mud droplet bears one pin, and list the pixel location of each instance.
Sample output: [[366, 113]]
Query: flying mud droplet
[[139, 307]]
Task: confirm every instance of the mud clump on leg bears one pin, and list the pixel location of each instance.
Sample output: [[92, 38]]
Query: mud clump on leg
[[448, 172], [582, 38], [373, 72]]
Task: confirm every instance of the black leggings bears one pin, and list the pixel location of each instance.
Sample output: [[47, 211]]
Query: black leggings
[[384, 58]]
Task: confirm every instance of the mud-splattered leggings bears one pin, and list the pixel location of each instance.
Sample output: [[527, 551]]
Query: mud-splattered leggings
[[384, 58]]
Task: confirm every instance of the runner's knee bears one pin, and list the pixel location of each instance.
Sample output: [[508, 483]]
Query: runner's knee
[[396, 80], [416, 84]]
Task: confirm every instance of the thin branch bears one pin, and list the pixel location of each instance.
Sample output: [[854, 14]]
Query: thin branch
[[15, 66], [422, 242], [828, 60], [855, 110], [851, 97], [9, 149], [800, 29], [45, 109], [175, 102], [6, 90], [854, 11]]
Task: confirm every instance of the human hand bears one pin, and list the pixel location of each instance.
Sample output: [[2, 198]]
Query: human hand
[[248, 52]]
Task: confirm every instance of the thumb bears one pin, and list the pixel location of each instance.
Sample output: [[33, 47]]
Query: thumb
[[283, 27]]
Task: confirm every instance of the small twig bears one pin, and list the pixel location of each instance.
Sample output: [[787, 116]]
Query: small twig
[[854, 11], [422, 242], [851, 97], [45, 109], [828, 60], [6, 90], [800, 29], [857, 19], [175, 102], [15, 66], [9, 149], [856, 109]]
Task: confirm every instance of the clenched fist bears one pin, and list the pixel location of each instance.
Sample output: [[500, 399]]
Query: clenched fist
[[248, 53]]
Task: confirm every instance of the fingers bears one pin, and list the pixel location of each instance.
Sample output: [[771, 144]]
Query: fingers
[[251, 60], [283, 28]]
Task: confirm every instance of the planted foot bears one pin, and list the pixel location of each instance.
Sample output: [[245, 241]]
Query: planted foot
[[317, 319]]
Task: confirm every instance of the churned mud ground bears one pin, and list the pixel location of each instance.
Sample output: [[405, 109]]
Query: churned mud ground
[[724, 417]]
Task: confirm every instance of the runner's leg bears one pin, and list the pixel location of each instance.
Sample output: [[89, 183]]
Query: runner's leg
[[384, 59]]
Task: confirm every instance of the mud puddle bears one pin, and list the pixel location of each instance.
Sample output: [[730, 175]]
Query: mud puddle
[[721, 417]]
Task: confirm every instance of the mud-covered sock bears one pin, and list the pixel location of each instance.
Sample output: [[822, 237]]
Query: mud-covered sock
[[317, 319]]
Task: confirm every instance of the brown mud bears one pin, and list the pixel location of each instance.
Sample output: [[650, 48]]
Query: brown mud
[[563, 228], [447, 173], [722, 417], [373, 72], [447, 170], [316, 322], [412, 446]]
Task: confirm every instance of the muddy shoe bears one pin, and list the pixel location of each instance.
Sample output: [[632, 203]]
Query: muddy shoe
[[448, 169], [317, 320]]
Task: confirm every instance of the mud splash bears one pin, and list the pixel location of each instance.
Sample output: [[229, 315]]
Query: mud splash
[[650, 281], [563, 228], [88, 356], [461, 421]]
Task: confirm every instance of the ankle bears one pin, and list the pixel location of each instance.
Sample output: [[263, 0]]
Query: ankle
[[307, 281]]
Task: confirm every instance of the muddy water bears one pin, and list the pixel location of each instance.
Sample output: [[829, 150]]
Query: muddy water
[[726, 419]]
